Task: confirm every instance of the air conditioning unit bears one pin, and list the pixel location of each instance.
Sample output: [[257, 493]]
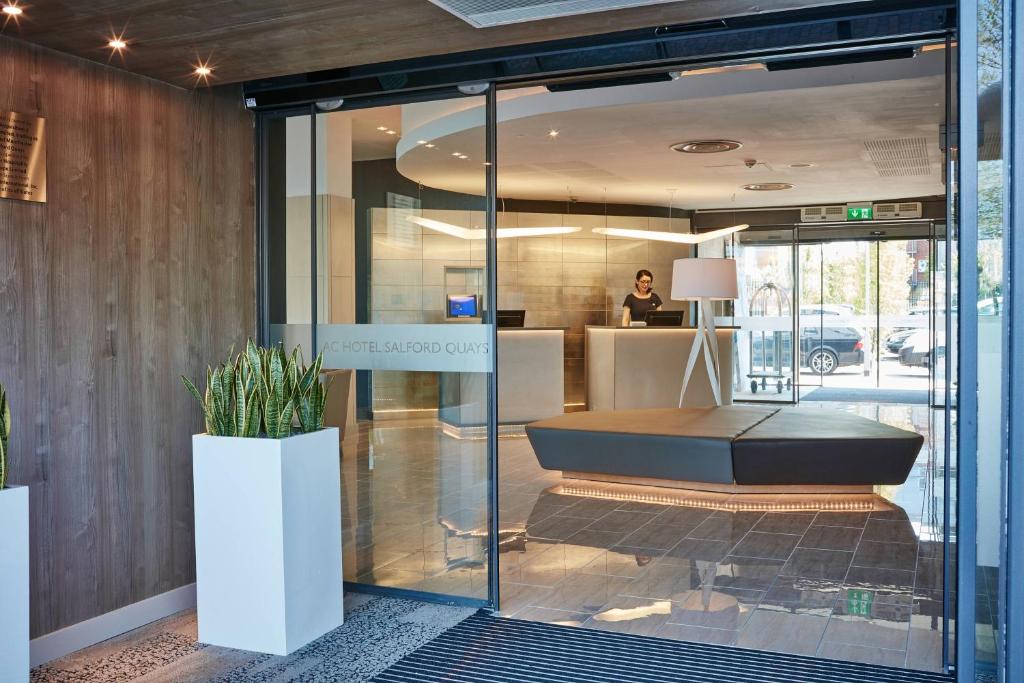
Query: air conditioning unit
[[817, 214], [898, 210]]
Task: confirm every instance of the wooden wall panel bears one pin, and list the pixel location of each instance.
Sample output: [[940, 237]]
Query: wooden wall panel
[[140, 267]]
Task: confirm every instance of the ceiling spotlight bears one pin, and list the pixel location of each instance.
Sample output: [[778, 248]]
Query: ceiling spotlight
[[382, 127], [421, 142], [768, 187], [706, 146], [203, 70], [455, 154], [117, 44], [430, 145], [12, 10], [552, 133], [391, 132]]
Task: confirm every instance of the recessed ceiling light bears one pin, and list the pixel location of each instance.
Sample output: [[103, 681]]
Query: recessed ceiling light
[[12, 10], [706, 146], [117, 44], [203, 70], [431, 145], [382, 127], [768, 187], [391, 132], [455, 154], [421, 142], [552, 133]]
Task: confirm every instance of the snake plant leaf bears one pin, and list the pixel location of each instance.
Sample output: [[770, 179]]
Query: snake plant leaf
[[5, 435], [285, 425], [240, 406], [272, 415]]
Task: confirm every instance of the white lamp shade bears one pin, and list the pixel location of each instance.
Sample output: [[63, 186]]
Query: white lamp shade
[[704, 278]]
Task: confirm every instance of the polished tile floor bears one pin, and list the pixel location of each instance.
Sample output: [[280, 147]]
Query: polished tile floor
[[854, 577]]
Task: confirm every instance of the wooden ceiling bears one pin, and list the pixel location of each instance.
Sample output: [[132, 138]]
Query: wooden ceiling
[[252, 39]]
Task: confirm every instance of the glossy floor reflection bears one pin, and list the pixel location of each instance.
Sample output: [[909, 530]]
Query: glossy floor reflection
[[862, 584], [800, 574]]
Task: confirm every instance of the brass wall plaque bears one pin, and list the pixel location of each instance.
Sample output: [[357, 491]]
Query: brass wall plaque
[[22, 157]]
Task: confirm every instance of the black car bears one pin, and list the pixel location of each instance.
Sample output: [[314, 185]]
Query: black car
[[822, 349]]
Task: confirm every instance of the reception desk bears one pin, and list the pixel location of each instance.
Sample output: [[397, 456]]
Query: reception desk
[[642, 367], [531, 382]]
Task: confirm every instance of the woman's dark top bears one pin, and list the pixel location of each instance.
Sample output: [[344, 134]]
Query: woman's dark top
[[638, 307]]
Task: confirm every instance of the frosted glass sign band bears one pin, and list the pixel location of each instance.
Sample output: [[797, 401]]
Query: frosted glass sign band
[[427, 348]]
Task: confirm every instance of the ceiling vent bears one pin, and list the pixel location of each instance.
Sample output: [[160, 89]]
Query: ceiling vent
[[817, 214], [898, 210], [484, 13], [899, 157]]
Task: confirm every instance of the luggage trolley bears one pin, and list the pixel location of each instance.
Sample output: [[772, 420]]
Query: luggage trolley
[[767, 300]]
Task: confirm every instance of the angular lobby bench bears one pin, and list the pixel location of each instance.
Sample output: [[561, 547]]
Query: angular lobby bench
[[728, 448]]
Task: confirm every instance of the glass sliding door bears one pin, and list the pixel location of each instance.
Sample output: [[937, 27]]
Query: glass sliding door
[[395, 277]]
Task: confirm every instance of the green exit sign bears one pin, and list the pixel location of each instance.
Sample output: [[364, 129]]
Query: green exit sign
[[858, 213]]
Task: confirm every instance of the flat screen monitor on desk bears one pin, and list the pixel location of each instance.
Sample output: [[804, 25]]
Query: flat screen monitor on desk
[[664, 318], [463, 306], [508, 318]]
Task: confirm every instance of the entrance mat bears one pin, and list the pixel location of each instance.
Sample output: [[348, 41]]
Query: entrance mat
[[854, 395], [486, 648]]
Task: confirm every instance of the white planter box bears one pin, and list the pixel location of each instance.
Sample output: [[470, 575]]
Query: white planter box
[[14, 584], [268, 540]]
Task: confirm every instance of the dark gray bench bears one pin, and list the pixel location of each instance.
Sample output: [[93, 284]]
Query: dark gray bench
[[727, 445]]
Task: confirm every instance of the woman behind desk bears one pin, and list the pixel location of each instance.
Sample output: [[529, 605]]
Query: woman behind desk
[[641, 300]]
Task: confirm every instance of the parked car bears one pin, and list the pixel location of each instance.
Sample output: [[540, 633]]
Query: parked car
[[917, 350], [894, 342], [822, 349]]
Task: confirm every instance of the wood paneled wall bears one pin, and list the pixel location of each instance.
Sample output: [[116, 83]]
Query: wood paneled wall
[[140, 267]]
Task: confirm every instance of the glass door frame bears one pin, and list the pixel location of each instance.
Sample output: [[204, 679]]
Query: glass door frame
[[263, 184]]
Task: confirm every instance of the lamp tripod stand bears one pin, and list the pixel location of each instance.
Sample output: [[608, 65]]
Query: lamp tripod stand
[[706, 339]]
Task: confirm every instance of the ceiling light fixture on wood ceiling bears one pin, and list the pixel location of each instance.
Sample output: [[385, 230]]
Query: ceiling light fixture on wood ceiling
[[676, 237]]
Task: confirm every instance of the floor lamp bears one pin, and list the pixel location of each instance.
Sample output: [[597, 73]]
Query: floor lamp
[[704, 280]]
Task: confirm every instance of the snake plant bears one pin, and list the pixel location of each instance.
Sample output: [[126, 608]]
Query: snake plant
[[5, 435], [262, 391]]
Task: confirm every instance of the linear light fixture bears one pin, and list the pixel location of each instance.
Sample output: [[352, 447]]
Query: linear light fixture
[[677, 237], [480, 233]]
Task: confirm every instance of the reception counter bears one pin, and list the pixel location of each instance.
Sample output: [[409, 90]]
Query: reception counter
[[642, 367], [531, 382]]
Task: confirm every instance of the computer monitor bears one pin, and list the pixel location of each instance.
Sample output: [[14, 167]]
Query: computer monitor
[[463, 306], [509, 318], [664, 318]]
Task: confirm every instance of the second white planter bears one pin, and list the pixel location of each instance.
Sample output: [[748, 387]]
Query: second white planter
[[14, 585], [268, 540]]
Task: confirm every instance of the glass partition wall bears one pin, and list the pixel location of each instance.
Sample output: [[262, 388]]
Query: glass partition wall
[[389, 279]]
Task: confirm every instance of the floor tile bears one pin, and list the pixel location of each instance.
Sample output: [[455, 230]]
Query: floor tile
[[697, 634], [859, 653], [888, 585], [593, 508], [747, 573], [628, 614], [688, 517], [700, 550], [724, 608], [621, 521], [622, 561], [772, 546], [516, 596], [654, 535], [855, 520], [886, 555], [596, 539], [887, 531], [665, 578], [551, 616], [726, 526], [584, 592], [871, 624], [818, 564], [831, 538], [802, 596], [784, 523], [558, 527], [783, 632]]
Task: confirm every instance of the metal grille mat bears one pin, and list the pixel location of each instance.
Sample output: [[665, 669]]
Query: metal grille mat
[[486, 648]]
